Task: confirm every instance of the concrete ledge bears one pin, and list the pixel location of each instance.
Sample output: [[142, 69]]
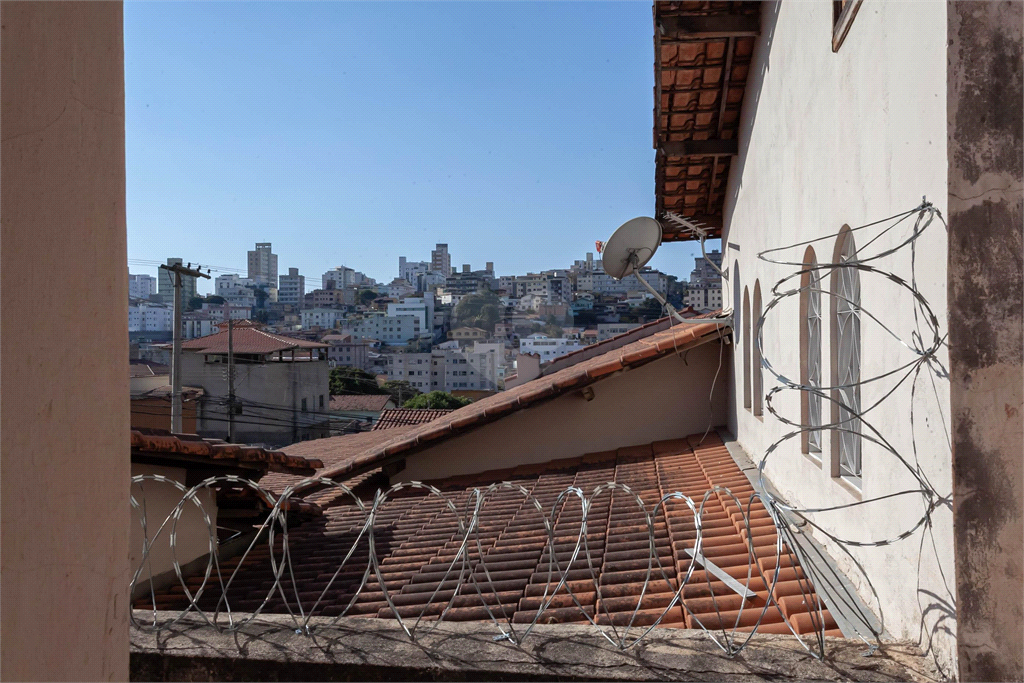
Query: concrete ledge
[[377, 649]]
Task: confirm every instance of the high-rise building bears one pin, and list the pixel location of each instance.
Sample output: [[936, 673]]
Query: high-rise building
[[263, 265], [293, 287], [441, 260], [141, 286], [166, 284], [704, 273], [411, 270]]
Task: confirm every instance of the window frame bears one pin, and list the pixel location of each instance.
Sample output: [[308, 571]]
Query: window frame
[[746, 349], [846, 361], [811, 440], [757, 372]]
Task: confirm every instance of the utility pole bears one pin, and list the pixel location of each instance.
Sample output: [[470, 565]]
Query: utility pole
[[231, 378], [178, 270]]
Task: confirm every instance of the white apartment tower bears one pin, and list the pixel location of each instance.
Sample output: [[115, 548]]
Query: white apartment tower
[[141, 286], [263, 265]]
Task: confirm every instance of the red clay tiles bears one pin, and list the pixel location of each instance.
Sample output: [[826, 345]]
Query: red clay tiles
[[512, 563], [401, 417]]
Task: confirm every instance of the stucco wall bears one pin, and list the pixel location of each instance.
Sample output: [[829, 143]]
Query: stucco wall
[[64, 415], [852, 137], [281, 385], [158, 500], [986, 211], [665, 399]]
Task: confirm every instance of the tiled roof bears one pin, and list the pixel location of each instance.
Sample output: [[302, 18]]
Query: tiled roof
[[417, 540], [158, 443], [529, 393], [336, 453], [248, 340], [702, 58], [401, 417], [368, 402]]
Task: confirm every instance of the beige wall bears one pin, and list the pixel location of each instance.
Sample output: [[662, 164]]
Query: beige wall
[[158, 500], [665, 399], [64, 418], [828, 139]]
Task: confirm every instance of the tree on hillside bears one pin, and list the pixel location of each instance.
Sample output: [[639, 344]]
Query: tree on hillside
[[400, 390], [650, 309], [437, 400], [478, 310], [349, 380], [366, 296]]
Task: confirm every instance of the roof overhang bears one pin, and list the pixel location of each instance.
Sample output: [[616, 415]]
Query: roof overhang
[[702, 58]]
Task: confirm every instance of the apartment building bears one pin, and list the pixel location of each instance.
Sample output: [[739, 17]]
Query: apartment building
[[448, 368], [165, 282], [141, 286], [327, 318], [441, 260], [388, 329], [150, 317], [263, 265], [292, 287], [548, 348]]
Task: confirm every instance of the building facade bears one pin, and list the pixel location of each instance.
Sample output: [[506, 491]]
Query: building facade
[[441, 260], [548, 348], [150, 317], [165, 281], [263, 265], [292, 287], [141, 286]]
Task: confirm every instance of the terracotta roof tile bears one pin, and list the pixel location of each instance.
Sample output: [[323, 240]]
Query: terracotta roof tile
[[157, 443], [401, 417], [247, 340], [417, 539], [365, 402]]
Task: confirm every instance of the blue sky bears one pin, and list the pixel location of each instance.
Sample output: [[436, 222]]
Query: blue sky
[[352, 133]]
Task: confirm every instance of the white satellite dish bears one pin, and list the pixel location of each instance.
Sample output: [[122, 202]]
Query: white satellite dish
[[631, 247]]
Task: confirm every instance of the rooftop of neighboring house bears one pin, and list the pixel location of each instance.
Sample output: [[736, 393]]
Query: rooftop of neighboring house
[[361, 402], [144, 368], [417, 551], [402, 417], [247, 339], [161, 447]]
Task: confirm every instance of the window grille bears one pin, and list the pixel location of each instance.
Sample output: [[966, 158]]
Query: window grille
[[847, 308], [813, 354]]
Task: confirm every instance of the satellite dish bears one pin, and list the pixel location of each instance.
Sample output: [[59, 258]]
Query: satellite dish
[[631, 247]]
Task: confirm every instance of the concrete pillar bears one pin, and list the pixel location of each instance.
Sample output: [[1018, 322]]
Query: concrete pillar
[[986, 210], [64, 415]]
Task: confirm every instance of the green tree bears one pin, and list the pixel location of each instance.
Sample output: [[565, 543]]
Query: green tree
[[437, 400], [478, 310], [553, 331], [366, 296], [400, 390], [349, 380], [650, 309]]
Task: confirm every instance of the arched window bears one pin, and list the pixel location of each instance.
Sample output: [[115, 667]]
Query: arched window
[[810, 353], [746, 349], [757, 383], [845, 288]]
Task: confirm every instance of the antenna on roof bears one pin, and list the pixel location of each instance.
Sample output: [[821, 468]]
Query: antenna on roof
[[630, 248]]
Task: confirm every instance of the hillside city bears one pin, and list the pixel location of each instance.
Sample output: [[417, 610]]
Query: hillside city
[[455, 334]]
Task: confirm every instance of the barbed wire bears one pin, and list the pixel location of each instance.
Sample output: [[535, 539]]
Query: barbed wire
[[793, 525]]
